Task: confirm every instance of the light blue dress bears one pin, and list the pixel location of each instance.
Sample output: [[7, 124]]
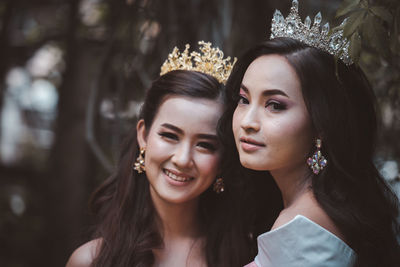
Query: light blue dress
[[302, 243]]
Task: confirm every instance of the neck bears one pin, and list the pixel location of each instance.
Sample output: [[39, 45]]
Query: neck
[[177, 220], [293, 183]]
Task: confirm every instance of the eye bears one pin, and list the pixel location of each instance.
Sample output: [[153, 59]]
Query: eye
[[243, 100], [275, 106], [168, 135], [209, 146]]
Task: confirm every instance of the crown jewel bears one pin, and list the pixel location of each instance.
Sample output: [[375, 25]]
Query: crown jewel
[[211, 61], [292, 27]]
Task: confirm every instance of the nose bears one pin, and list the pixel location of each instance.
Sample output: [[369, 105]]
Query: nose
[[250, 121], [182, 157]]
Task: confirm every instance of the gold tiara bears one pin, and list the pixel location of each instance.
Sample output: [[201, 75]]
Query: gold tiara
[[332, 41], [211, 61]]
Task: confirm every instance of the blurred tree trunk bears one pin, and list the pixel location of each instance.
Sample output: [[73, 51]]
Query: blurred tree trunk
[[72, 165]]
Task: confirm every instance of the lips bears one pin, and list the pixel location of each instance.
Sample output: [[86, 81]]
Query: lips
[[250, 145], [177, 176], [251, 141]]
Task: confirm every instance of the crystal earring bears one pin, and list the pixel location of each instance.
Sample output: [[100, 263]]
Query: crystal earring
[[139, 164], [219, 186], [317, 162]]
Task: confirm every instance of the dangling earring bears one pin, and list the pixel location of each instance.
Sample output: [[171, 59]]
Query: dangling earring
[[219, 186], [139, 164], [317, 162]]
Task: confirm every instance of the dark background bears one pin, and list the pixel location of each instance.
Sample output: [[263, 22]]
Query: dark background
[[72, 77]]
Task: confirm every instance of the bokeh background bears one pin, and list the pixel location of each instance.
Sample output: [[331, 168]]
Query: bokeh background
[[72, 77]]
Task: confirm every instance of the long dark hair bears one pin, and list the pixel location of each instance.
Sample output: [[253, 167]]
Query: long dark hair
[[125, 213], [341, 105]]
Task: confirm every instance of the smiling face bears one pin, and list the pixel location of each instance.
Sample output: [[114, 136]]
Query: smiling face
[[182, 150], [271, 124]]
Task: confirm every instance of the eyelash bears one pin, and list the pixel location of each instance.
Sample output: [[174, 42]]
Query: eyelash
[[169, 135], [174, 137], [207, 146], [276, 106], [243, 100]]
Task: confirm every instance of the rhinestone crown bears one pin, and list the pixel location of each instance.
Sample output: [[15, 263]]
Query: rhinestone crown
[[292, 27], [211, 61]]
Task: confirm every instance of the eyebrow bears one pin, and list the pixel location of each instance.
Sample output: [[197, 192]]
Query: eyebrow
[[180, 131], [267, 92], [172, 127]]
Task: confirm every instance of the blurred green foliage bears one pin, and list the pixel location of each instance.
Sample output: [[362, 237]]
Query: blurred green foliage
[[374, 30]]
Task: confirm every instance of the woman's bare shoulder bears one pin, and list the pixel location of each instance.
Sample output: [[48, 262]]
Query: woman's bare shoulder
[[85, 254], [309, 208]]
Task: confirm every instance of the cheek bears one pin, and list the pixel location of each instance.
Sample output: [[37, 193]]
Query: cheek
[[236, 120], [299, 127], [292, 134], [157, 149], [208, 165]]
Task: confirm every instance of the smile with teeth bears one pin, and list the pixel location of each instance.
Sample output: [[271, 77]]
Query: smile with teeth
[[177, 177]]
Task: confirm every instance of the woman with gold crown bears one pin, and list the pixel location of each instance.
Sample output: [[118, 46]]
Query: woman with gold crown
[[302, 116], [165, 205]]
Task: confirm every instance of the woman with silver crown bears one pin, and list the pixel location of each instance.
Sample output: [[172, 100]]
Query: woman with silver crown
[[165, 205], [301, 117]]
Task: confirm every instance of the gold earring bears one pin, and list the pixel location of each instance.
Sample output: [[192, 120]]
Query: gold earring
[[139, 164], [317, 162], [219, 186]]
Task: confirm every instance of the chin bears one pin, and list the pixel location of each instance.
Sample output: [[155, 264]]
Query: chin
[[252, 164]]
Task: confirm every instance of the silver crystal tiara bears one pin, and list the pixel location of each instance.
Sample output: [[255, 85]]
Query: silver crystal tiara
[[334, 43]]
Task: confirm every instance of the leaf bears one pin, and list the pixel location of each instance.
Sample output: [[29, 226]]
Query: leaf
[[354, 22], [355, 47], [382, 13], [382, 44], [346, 7], [376, 35]]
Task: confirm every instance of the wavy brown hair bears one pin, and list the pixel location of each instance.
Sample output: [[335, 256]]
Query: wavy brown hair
[[124, 209]]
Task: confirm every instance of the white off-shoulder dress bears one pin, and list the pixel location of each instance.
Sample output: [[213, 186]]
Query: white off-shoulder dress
[[302, 243]]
